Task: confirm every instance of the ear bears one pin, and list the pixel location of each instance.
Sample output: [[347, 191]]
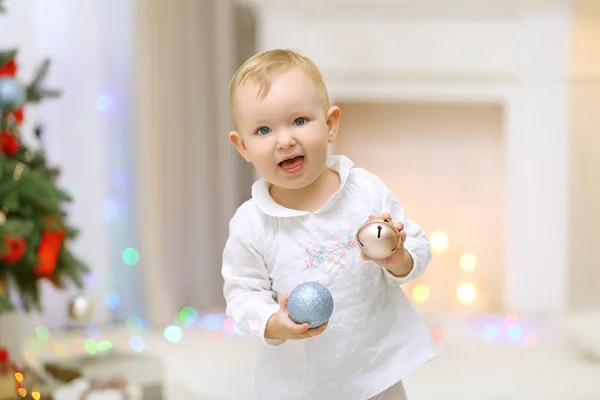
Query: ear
[[239, 144], [333, 122]]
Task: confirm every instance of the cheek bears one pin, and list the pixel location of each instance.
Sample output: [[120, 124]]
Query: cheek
[[258, 151], [318, 138]]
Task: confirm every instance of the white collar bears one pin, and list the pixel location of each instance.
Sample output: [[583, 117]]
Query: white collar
[[260, 191]]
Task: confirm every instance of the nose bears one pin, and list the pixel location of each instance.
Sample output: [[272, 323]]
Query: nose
[[285, 139]]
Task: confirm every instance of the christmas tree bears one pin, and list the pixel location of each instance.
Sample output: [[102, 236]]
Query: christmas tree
[[34, 233]]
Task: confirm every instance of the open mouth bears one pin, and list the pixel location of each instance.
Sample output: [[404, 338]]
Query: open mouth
[[292, 165]]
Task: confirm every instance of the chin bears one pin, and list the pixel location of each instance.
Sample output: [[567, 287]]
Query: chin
[[287, 185], [297, 184]]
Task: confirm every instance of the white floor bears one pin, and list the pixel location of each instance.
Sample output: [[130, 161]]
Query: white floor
[[210, 365]]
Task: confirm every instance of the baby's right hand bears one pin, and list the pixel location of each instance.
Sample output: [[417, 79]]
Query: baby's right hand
[[281, 326]]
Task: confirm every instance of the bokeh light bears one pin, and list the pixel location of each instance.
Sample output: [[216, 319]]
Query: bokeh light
[[421, 293], [42, 333], [173, 333], [211, 322], [439, 241], [238, 331], [229, 327], [135, 324], [110, 209], [506, 330], [137, 343], [90, 346], [490, 332], [103, 103], [466, 293], [515, 332], [35, 345], [130, 256], [468, 262], [104, 345], [188, 315], [112, 301]]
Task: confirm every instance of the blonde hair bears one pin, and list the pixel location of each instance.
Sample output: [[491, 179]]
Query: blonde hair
[[263, 68]]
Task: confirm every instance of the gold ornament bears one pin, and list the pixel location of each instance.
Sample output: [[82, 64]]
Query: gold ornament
[[80, 308], [19, 168], [378, 238], [2, 217]]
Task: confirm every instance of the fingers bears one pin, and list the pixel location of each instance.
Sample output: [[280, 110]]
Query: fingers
[[402, 236], [283, 302], [294, 327], [313, 332], [300, 328], [386, 216]]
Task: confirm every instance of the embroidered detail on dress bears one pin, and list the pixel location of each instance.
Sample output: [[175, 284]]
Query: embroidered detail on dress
[[333, 253]]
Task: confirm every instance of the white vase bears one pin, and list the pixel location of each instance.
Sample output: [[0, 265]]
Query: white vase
[[11, 335]]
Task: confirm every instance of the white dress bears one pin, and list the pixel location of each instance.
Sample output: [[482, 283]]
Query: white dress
[[374, 338]]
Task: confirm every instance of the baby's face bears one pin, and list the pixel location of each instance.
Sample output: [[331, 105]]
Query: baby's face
[[285, 135]]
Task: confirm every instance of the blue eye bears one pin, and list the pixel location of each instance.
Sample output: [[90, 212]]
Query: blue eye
[[299, 121], [263, 131]]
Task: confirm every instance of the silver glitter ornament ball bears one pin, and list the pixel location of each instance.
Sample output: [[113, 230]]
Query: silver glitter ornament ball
[[310, 302], [12, 94], [80, 308], [378, 238]]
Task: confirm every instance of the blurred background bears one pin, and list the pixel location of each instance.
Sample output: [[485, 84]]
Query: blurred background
[[481, 116]]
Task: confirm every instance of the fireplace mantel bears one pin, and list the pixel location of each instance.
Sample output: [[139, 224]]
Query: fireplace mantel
[[515, 53], [465, 48]]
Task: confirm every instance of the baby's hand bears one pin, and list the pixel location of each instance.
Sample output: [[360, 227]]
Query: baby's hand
[[400, 262], [281, 326]]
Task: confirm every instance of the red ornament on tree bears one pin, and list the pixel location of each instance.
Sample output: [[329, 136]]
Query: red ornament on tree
[[48, 252], [8, 69], [16, 247], [9, 144], [4, 357], [18, 115]]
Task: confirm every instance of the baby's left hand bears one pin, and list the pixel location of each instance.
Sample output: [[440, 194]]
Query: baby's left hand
[[397, 262]]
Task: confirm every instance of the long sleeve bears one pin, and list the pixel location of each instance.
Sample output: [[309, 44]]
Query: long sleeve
[[417, 243], [247, 289]]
